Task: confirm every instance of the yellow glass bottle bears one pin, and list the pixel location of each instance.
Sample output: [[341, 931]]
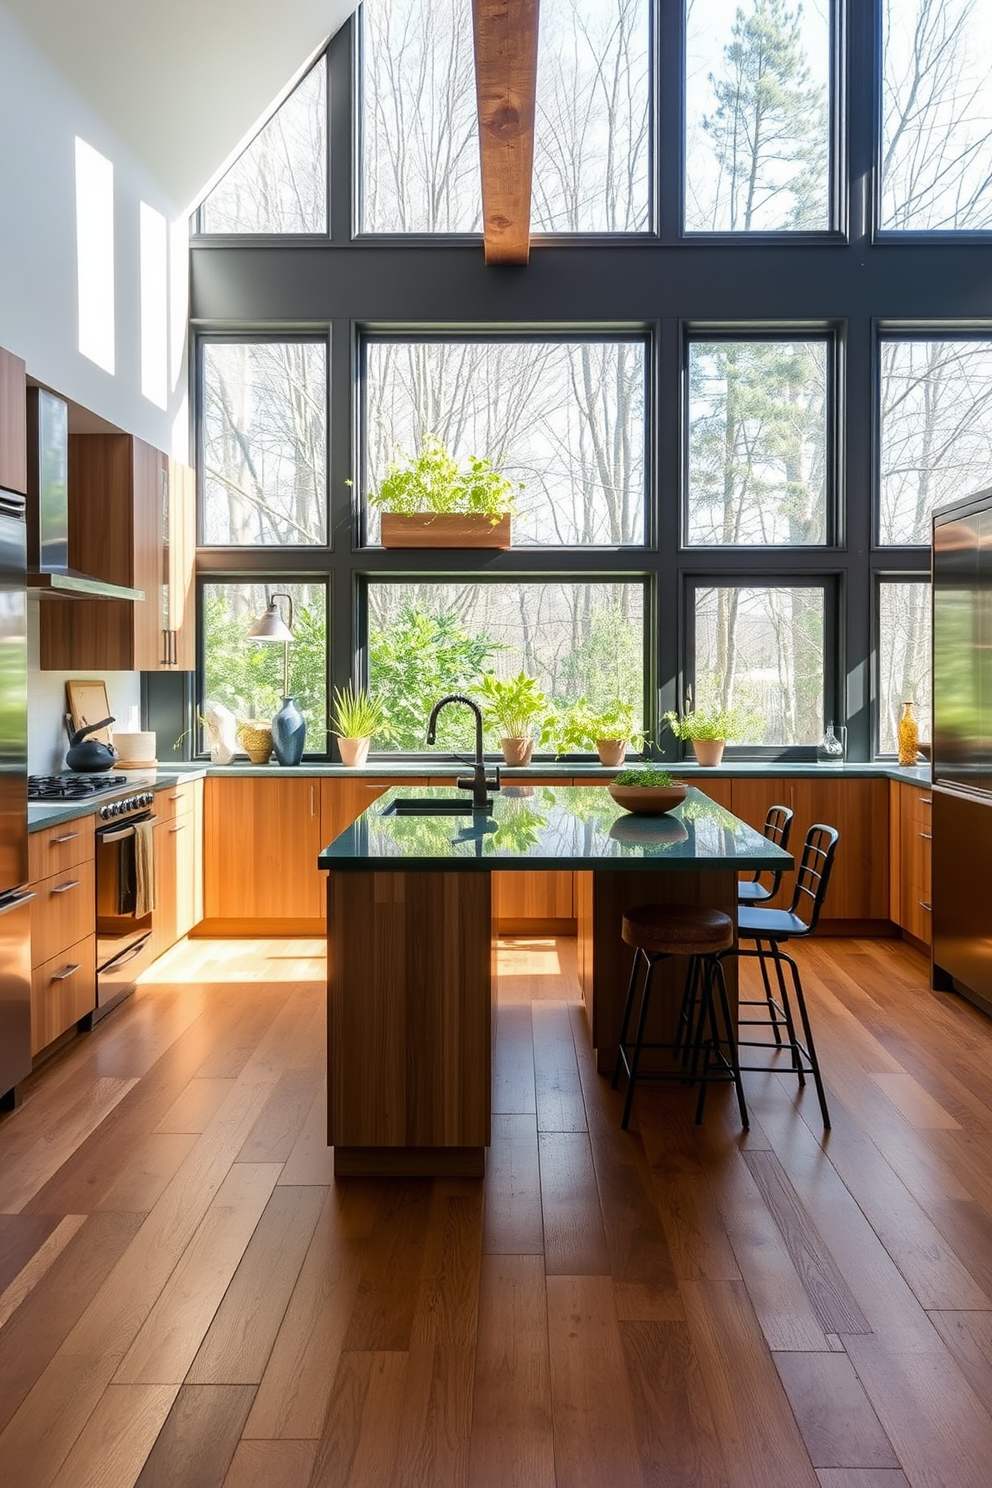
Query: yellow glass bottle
[[909, 735]]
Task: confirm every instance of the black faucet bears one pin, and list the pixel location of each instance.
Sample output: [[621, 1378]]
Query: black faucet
[[478, 782]]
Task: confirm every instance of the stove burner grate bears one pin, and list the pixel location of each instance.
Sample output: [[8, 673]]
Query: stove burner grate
[[69, 787]]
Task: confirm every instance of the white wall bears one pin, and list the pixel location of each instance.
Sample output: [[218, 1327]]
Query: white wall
[[40, 117]]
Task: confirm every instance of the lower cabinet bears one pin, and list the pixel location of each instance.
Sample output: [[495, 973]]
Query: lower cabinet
[[63, 930], [63, 990], [536, 898], [910, 814], [261, 839]]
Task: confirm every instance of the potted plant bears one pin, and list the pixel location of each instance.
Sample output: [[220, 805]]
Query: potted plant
[[355, 717], [430, 500], [708, 729], [608, 730], [648, 791], [513, 706]]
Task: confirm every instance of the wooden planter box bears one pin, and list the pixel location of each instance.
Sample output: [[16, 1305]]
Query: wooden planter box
[[444, 530]]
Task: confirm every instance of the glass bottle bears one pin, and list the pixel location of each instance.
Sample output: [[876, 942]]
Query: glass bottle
[[909, 735], [830, 750]]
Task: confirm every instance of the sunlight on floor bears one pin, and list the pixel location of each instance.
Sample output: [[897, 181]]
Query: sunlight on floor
[[297, 959]]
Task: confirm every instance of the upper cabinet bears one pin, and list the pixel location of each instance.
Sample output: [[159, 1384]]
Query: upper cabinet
[[131, 522], [13, 424]]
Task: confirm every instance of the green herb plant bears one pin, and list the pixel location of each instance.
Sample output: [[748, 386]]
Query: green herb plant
[[649, 775], [704, 722], [432, 480], [512, 706], [581, 726], [356, 714]]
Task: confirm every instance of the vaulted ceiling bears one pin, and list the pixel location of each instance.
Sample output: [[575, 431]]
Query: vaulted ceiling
[[181, 82]]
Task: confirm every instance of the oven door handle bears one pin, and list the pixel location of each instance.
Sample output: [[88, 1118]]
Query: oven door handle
[[15, 903], [123, 833], [125, 956]]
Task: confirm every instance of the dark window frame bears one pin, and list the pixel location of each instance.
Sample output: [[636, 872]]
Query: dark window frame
[[880, 578]]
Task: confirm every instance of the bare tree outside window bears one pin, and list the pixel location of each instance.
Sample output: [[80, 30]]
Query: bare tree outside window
[[904, 658], [577, 638], [757, 116], [757, 443], [565, 419], [936, 168], [936, 431], [264, 443], [761, 650], [279, 183]]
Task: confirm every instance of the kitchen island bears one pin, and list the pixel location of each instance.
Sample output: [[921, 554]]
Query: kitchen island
[[411, 948]]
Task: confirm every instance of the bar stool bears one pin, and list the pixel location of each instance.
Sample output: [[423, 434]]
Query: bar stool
[[777, 829], [770, 929], [658, 931]]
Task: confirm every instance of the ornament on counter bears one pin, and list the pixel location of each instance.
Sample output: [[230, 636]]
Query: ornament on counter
[[222, 728], [909, 735]]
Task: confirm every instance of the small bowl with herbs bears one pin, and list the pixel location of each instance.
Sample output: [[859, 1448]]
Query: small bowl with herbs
[[647, 791]]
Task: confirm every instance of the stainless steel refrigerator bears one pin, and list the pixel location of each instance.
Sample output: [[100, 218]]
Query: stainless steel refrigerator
[[15, 926], [961, 893]]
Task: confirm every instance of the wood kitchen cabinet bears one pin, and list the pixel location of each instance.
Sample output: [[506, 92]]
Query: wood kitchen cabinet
[[910, 814], [178, 863], [858, 808], [131, 522], [13, 424], [63, 929], [539, 900], [261, 838]]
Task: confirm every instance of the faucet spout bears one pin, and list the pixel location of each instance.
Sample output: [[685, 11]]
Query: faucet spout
[[478, 782]]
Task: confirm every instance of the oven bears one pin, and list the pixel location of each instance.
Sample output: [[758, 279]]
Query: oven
[[125, 897]]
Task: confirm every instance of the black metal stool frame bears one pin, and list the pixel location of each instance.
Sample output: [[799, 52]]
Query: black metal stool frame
[[777, 829], [707, 968]]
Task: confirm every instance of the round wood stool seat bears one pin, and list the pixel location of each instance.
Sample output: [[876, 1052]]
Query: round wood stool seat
[[678, 929]]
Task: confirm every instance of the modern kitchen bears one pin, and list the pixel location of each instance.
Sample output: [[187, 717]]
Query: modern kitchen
[[495, 993]]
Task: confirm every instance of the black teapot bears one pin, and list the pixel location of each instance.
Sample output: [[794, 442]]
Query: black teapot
[[90, 754]]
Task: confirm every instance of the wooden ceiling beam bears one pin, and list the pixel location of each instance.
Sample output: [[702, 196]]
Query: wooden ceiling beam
[[506, 88]]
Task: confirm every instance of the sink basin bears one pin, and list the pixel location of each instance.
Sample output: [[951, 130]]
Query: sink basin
[[427, 806]]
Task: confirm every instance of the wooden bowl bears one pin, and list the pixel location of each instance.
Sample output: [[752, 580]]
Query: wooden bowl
[[648, 800]]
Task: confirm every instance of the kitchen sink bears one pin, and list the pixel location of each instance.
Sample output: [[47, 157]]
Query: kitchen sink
[[427, 806]]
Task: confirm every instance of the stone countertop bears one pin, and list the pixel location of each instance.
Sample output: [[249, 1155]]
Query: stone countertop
[[549, 827]]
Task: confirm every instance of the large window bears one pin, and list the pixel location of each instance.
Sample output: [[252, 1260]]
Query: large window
[[904, 658], [566, 420], [761, 651], [758, 442], [579, 639], [757, 116], [263, 443], [936, 116], [246, 675], [936, 430], [279, 183]]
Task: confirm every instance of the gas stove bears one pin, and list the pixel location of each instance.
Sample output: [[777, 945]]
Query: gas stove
[[71, 787]]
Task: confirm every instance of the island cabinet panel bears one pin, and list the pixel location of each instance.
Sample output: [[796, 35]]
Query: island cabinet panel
[[13, 423], [409, 1021], [261, 838], [859, 809], [535, 901], [910, 814]]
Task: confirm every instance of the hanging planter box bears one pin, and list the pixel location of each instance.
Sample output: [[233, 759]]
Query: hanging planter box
[[445, 530]]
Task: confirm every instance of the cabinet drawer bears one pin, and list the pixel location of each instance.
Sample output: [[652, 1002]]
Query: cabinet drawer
[[175, 800], [61, 847], [63, 990], [63, 912]]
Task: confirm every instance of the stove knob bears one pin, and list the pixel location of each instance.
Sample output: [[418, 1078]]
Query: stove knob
[[104, 812]]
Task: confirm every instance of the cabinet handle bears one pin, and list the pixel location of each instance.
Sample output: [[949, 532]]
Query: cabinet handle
[[927, 836], [176, 796], [924, 905], [67, 837], [165, 648], [66, 972], [173, 648], [180, 828], [927, 800], [64, 888], [312, 811]]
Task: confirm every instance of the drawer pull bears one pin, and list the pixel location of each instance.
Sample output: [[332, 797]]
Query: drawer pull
[[176, 796], [924, 905], [66, 837], [927, 800], [64, 888], [180, 828], [927, 836], [66, 972]]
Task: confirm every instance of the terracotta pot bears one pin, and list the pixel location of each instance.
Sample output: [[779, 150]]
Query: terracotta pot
[[708, 751], [517, 751], [611, 751], [445, 530], [648, 800], [354, 751]]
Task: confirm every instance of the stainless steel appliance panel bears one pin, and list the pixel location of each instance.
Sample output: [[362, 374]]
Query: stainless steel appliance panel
[[961, 892], [13, 697], [15, 993]]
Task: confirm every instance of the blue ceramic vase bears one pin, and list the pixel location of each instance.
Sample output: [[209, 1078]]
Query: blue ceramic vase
[[289, 732]]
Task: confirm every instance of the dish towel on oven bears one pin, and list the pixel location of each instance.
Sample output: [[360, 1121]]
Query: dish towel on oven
[[144, 869]]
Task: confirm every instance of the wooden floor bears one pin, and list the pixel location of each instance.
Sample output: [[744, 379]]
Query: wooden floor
[[187, 1298]]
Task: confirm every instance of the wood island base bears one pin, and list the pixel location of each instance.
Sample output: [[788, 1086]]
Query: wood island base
[[409, 1162]]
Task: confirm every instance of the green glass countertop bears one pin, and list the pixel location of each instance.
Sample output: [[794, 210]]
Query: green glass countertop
[[550, 827]]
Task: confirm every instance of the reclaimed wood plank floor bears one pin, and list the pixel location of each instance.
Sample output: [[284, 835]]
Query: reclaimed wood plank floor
[[188, 1298]]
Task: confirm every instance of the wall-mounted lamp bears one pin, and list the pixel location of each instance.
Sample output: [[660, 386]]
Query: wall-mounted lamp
[[289, 727]]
